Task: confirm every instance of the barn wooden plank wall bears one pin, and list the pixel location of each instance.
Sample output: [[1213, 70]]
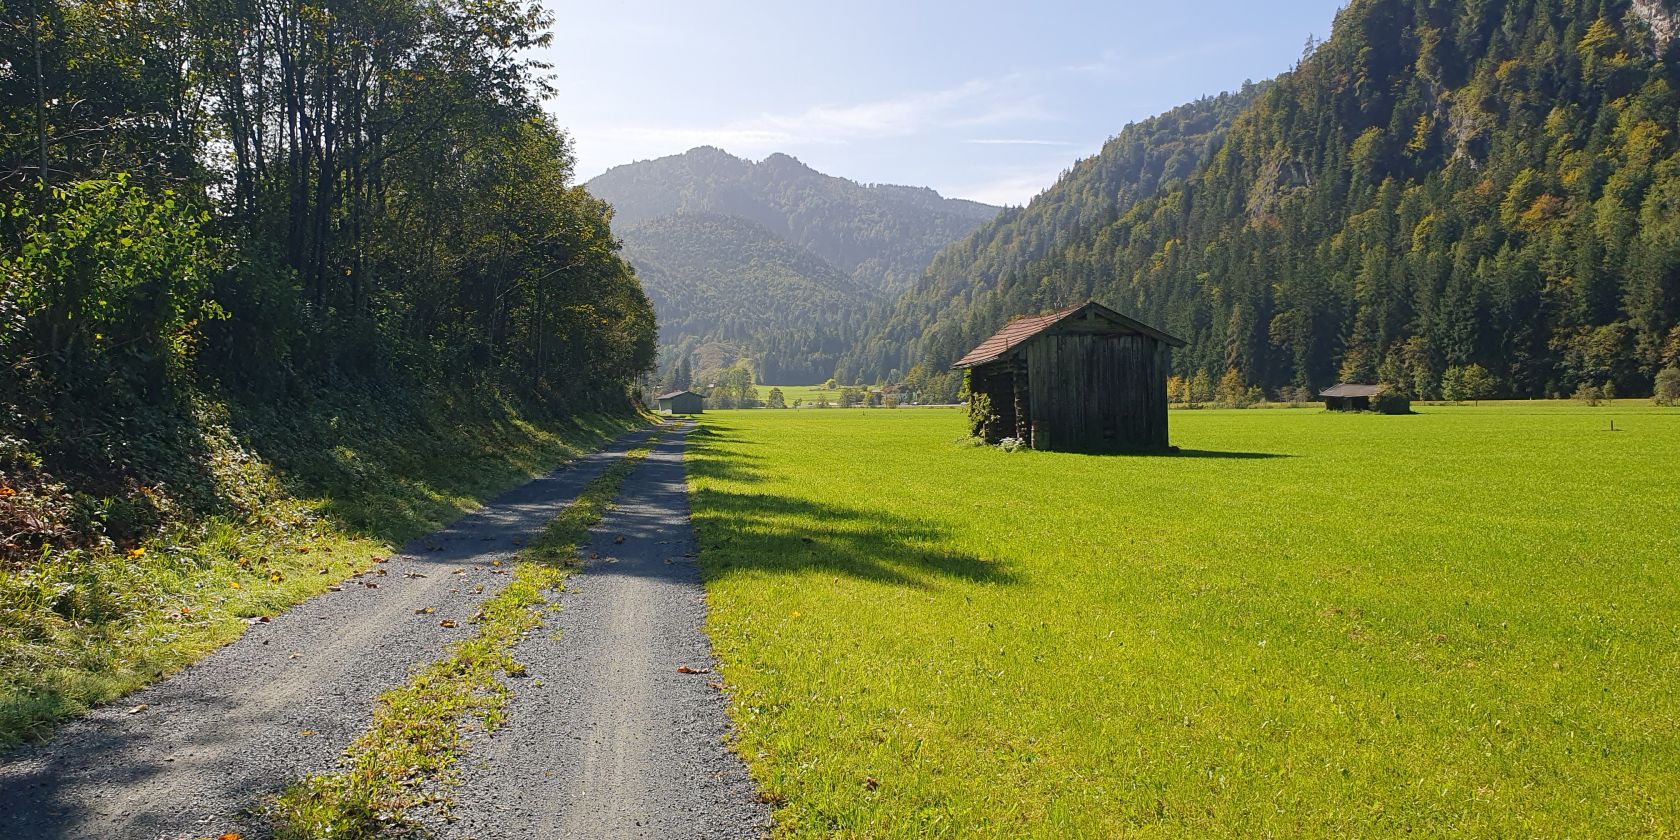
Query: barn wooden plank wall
[[1083, 379], [1096, 393]]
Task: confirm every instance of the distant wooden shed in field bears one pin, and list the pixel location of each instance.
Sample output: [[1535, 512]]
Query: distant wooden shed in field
[[1080, 379], [681, 402], [1348, 396]]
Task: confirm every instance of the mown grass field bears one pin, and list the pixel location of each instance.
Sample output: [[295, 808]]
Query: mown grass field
[[1306, 624]]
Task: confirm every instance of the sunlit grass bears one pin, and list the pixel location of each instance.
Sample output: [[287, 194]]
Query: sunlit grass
[[1461, 622]]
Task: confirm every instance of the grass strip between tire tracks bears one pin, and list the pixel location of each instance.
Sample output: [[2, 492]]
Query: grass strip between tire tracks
[[418, 727]]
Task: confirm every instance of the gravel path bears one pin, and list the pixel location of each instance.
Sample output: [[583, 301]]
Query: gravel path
[[604, 738], [217, 737]]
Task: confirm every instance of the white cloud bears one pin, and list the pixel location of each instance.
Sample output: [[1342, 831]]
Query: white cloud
[[974, 103], [1012, 141]]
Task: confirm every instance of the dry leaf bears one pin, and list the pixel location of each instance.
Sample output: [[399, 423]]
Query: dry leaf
[[335, 589], [869, 783], [307, 732], [381, 559], [448, 623], [413, 575], [370, 584], [138, 709], [423, 611], [715, 686], [618, 540], [228, 836], [684, 669]]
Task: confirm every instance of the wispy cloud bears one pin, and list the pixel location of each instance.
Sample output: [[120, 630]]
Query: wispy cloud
[[1015, 141], [974, 103]]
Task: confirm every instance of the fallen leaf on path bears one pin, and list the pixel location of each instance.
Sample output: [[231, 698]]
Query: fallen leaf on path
[[413, 575], [459, 572], [138, 709], [257, 619], [423, 611], [370, 584], [381, 559], [448, 623], [335, 589], [715, 686], [618, 540], [685, 669], [303, 549], [307, 732], [495, 562], [323, 570], [379, 572], [228, 836]]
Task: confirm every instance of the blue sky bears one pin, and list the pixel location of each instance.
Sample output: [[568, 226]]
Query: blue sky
[[981, 100]]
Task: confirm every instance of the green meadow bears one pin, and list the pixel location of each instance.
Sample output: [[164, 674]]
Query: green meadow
[[1465, 621]]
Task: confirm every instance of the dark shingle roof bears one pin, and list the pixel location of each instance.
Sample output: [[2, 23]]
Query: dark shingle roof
[[674, 394], [1021, 329], [1349, 389]]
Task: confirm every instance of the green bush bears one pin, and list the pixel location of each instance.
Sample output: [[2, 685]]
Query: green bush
[[1390, 399], [1668, 387], [107, 290]]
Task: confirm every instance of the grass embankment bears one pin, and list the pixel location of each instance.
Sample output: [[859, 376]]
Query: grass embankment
[[246, 514], [417, 728], [1307, 624]]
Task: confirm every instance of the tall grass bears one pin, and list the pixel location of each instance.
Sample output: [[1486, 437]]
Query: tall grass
[[1305, 624]]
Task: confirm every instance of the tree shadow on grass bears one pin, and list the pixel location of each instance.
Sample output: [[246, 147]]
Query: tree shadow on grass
[[742, 531]]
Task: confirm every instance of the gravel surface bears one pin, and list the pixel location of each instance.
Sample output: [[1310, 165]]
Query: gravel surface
[[282, 701], [603, 737]]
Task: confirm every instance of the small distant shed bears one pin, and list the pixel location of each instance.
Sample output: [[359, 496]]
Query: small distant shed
[[1080, 379], [1348, 396], [681, 402]]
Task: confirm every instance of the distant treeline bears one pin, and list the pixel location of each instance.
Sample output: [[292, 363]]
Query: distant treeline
[[1441, 184]]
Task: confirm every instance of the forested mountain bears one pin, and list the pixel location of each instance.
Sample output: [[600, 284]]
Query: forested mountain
[[876, 238], [1441, 183], [724, 278], [948, 310]]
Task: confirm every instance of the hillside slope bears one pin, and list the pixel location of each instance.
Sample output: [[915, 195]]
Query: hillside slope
[[951, 308], [718, 278], [1439, 184], [876, 238]]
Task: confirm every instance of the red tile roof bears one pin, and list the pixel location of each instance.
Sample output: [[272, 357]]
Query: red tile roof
[[1021, 329]]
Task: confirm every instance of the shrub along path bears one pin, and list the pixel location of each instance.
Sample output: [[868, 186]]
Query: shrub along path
[[604, 736], [183, 757]]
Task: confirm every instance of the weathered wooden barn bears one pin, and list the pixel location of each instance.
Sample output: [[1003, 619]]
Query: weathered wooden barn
[[1081, 379], [1348, 396], [681, 402]]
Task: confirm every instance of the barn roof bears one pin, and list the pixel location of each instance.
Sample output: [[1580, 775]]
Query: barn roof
[[675, 394], [1021, 329], [1349, 389]]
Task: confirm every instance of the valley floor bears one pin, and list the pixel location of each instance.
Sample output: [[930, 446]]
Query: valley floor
[[1303, 624]]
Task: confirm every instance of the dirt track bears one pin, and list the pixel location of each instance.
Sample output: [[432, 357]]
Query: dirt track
[[604, 738], [220, 735]]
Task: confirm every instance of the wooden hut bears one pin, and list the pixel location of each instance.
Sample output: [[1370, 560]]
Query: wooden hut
[[1081, 379], [681, 402], [1348, 396]]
